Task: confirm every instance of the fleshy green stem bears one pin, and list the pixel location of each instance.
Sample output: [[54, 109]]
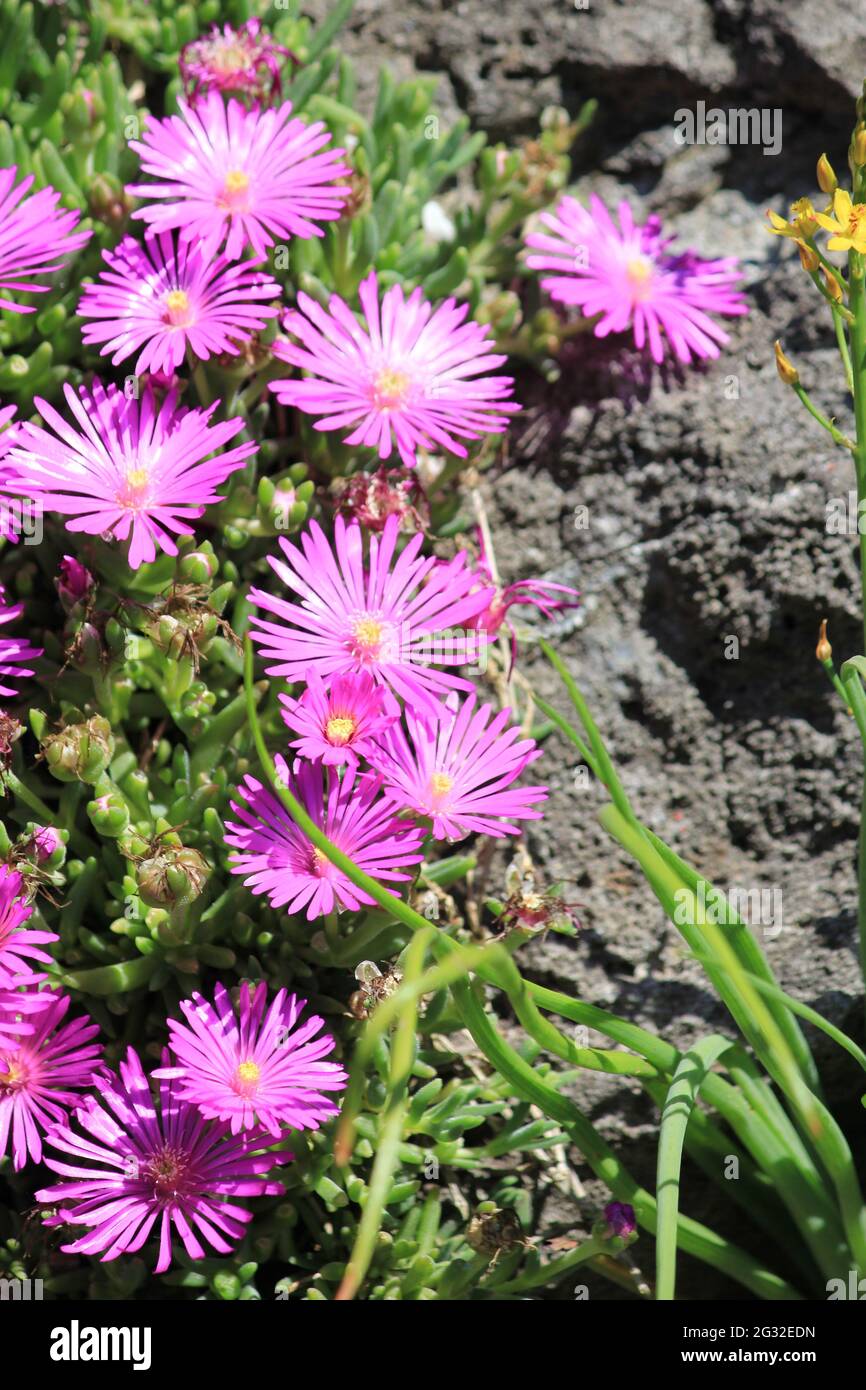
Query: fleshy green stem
[[857, 300]]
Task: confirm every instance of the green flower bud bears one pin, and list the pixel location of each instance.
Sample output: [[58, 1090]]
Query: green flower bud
[[173, 876], [108, 815], [80, 752], [198, 567], [108, 200]]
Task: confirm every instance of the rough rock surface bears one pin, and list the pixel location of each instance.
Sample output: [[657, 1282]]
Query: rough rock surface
[[706, 494]]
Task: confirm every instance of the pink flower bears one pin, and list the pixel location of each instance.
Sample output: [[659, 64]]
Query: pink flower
[[265, 1068], [411, 375], [542, 594], [458, 771], [390, 618], [276, 857], [339, 725], [39, 1075], [18, 945], [626, 276], [136, 1169], [35, 239], [131, 469], [245, 176], [246, 59], [45, 841], [74, 582], [159, 301], [14, 650]]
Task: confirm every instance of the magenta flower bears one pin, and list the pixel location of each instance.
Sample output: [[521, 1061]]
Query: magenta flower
[[338, 725], [390, 619], [620, 1218], [158, 301], [542, 594], [243, 177], [40, 1074], [136, 1168], [19, 945], [627, 277], [35, 239], [276, 857], [246, 59], [133, 468], [265, 1068], [413, 376], [14, 650], [458, 771], [74, 582], [44, 842]]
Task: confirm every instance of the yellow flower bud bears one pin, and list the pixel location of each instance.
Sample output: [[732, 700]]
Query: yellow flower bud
[[787, 371], [858, 148], [834, 289], [827, 180], [823, 651], [808, 259]]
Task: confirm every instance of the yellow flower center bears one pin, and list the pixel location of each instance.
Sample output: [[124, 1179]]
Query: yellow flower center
[[639, 271], [390, 389], [319, 862], [177, 308], [15, 1076], [856, 220], [441, 783], [803, 214], [246, 1078], [339, 729], [366, 639], [229, 59], [234, 196], [133, 492]]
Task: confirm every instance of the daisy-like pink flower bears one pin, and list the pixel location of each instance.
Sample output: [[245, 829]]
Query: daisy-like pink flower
[[35, 238], [40, 1074], [412, 376], [339, 725], [247, 59], [627, 276], [392, 618], [241, 177], [19, 945], [157, 300], [132, 469], [275, 857], [257, 1067], [459, 771], [136, 1169], [14, 651]]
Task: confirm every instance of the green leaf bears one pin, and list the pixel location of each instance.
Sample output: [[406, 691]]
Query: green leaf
[[678, 1106]]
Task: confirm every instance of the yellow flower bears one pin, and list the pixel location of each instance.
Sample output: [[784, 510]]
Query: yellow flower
[[848, 223], [803, 222]]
